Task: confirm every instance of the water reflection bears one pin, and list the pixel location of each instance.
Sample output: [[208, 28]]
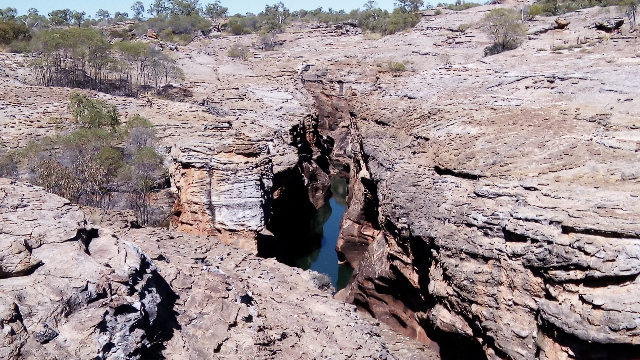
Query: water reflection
[[326, 226]]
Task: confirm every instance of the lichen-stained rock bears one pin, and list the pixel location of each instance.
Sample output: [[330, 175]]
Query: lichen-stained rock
[[69, 291]]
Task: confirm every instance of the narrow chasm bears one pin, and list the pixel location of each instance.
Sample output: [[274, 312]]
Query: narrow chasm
[[324, 231], [308, 205]]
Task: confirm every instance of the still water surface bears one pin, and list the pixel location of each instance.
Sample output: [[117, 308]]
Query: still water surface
[[326, 223]]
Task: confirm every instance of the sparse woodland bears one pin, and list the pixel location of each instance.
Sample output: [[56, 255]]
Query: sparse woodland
[[83, 58], [98, 162]]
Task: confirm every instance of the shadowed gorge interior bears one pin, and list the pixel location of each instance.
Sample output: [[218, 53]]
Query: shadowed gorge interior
[[306, 237]]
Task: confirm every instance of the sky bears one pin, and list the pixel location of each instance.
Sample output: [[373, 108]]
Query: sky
[[242, 6]]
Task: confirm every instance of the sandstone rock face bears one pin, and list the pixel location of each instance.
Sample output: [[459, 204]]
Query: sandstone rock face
[[152, 34], [66, 292], [523, 239], [506, 205], [232, 304], [221, 189], [95, 294], [359, 226]]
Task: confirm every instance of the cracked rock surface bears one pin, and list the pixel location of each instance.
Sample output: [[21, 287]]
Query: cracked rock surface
[[230, 304], [90, 287], [66, 292]]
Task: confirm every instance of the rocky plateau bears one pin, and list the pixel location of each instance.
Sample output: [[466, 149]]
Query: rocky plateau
[[493, 207]]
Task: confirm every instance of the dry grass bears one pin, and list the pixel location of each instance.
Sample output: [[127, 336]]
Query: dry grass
[[372, 36]]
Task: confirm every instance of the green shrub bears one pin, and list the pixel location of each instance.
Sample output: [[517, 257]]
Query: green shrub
[[504, 26], [19, 47], [121, 33], [237, 29], [140, 133], [464, 27], [460, 5], [239, 51], [396, 67], [235, 26], [8, 164], [557, 7], [268, 41], [534, 10], [11, 31], [89, 165], [85, 141], [137, 121], [111, 160], [90, 113], [168, 27], [183, 39], [374, 20], [401, 19], [58, 179], [437, 12]]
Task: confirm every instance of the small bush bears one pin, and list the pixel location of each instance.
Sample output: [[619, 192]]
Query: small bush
[[122, 33], [504, 26], [557, 7], [90, 166], [237, 29], [534, 10], [58, 179], [140, 133], [438, 12], [169, 27], [111, 160], [239, 51], [400, 20], [19, 47], [183, 39], [90, 113], [268, 41], [464, 27], [8, 165], [396, 67], [460, 5]]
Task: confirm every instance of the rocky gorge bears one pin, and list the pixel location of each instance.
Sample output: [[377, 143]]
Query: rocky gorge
[[492, 208]]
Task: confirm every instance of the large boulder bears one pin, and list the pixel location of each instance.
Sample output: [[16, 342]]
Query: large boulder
[[67, 290]]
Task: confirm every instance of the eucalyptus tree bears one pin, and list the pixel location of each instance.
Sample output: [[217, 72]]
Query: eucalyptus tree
[[184, 7], [215, 12], [275, 16], [103, 14], [8, 14], [78, 17], [158, 8], [61, 17], [138, 10]]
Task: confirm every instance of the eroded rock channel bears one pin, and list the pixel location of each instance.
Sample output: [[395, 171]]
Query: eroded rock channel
[[492, 207]]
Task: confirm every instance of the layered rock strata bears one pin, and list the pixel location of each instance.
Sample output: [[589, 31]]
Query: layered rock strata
[[222, 189], [527, 244], [89, 287]]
